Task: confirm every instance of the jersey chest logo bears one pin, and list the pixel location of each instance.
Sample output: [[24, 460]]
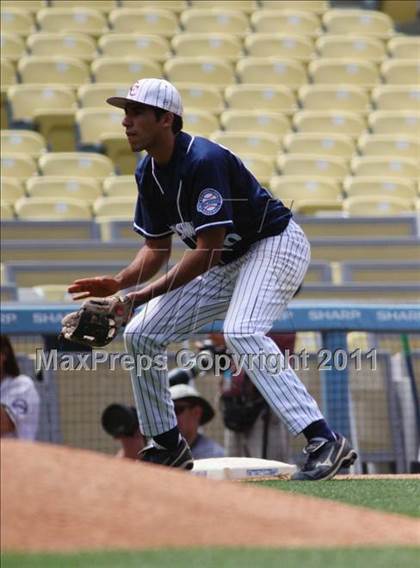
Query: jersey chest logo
[[209, 202]]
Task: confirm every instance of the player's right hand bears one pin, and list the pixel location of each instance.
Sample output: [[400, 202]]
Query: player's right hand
[[99, 286]]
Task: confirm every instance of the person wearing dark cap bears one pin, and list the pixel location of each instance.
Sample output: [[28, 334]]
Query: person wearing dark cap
[[193, 411], [120, 421]]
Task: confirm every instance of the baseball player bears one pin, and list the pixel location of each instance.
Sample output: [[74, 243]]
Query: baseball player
[[248, 257]]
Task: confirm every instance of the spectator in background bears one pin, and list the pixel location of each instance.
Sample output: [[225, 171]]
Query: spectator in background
[[19, 399], [120, 421]]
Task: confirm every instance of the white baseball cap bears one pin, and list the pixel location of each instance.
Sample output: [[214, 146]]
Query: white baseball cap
[[189, 393], [154, 92]]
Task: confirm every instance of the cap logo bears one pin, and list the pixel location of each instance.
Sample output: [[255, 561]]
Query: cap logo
[[134, 89]]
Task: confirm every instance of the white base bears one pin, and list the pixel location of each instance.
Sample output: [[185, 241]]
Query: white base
[[241, 468]]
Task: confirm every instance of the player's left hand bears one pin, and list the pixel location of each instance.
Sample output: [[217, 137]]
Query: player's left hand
[[99, 286]]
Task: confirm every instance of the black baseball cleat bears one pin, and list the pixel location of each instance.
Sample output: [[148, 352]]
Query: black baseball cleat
[[180, 457], [325, 458]]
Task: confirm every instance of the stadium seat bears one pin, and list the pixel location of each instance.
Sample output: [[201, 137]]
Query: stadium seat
[[351, 47], [223, 45], [78, 164], [17, 166], [70, 44], [124, 69], [72, 19], [205, 70], [396, 97], [343, 72], [389, 122], [340, 145], [22, 142], [59, 70], [27, 5], [260, 166], [95, 94], [245, 143], [215, 20], [56, 293], [312, 165], [120, 186], [376, 205], [16, 20], [334, 97], [255, 121], [310, 187], [285, 21], [149, 20], [119, 151], [11, 189], [275, 98], [314, 6], [358, 22], [114, 207], [58, 128], [311, 207], [247, 6], [7, 212], [404, 47], [286, 46], [172, 5], [401, 71], [92, 122], [390, 166], [329, 122], [64, 187], [271, 71], [12, 46], [50, 209], [132, 45], [102, 5], [374, 185], [390, 145], [203, 97], [200, 122], [8, 73], [26, 100]]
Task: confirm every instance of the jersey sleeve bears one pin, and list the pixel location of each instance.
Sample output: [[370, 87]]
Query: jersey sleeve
[[21, 402], [211, 196]]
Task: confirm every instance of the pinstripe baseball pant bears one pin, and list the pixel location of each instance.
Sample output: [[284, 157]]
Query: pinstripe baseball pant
[[249, 294]]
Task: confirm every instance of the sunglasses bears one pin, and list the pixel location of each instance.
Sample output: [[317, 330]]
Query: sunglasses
[[179, 409]]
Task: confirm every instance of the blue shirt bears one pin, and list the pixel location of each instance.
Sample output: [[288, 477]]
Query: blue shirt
[[204, 448], [205, 185]]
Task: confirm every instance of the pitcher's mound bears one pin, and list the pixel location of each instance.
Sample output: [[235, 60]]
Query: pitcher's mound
[[60, 499]]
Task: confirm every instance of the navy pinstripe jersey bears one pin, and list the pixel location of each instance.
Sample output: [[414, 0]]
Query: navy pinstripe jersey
[[205, 185]]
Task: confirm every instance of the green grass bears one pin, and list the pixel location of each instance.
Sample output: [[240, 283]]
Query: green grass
[[222, 558], [392, 495]]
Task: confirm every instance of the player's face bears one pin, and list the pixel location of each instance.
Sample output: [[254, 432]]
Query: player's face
[[142, 128]]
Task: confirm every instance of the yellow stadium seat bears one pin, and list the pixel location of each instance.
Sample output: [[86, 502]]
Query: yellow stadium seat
[[276, 98], [329, 122], [11, 189], [215, 20], [343, 72], [286, 46], [271, 71], [26, 5], [285, 21], [337, 97], [118, 150], [53, 69], [120, 186], [373, 185], [205, 70], [51, 209], [354, 47], [12, 45], [396, 97], [320, 207], [70, 44], [150, 20], [22, 142], [203, 97], [78, 164], [200, 122], [72, 19], [255, 121], [360, 22], [8, 73], [246, 143], [58, 128], [401, 71], [114, 207], [102, 5], [56, 293], [4, 117], [92, 122], [124, 69], [64, 187], [16, 20], [247, 6], [390, 166], [376, 205], [315, 6], [307, 186], [340, 145], [95, 94], [312, 165], [389, 145], [26, 100], [404, 47], [222, 45], [17, 166], [7, 211], [133, 45], [389, 122], [260, 166], [172, 5]]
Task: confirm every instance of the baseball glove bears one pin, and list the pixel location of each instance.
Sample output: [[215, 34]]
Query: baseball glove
[[97, 322]]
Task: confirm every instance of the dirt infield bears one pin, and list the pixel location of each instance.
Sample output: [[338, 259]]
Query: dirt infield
[[61, 499]]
